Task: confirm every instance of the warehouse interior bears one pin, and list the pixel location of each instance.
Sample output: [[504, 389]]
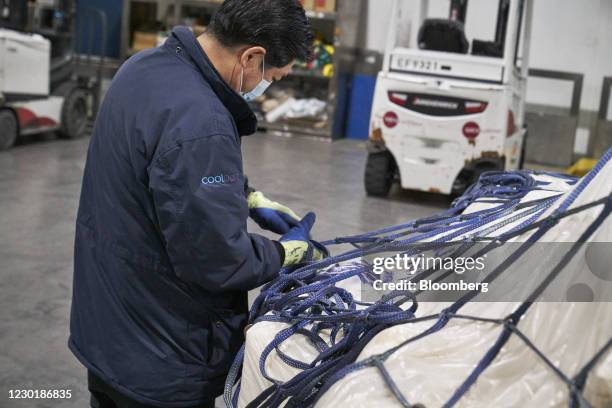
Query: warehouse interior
[[329, 138]]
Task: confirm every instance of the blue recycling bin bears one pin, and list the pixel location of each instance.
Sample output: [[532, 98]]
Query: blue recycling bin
[[360, 106]]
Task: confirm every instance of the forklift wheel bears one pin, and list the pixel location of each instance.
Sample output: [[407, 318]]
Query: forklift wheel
[[379, 174], [9, 129], [74, 114], [469, 176]]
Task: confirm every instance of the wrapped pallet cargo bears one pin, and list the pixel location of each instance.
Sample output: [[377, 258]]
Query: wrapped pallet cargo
[[540, 336]]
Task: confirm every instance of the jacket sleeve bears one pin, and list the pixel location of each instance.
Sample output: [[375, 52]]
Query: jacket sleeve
[[198, 193]]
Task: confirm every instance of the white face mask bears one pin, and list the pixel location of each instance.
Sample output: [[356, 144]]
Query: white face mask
[[259, 89]]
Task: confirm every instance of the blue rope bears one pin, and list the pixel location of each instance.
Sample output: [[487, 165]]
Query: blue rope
[[492, 353], [307, 300]]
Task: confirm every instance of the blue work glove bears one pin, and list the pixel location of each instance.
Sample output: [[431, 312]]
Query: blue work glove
[[270, 215], [298, 246]]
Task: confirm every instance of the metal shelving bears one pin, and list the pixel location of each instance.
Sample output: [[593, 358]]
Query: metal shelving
[[308, 74], [335, 23], [321, 15], [293, 129], [178, 16], [323, 21], [348, 36]]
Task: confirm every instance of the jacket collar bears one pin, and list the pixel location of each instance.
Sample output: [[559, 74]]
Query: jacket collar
[[245, 119]]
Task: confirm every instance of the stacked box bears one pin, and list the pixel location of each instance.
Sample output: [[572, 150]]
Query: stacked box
[[327, 6], [309, 5]]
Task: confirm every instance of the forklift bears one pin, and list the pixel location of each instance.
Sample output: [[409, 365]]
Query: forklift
[[449, 103], [48, 82]]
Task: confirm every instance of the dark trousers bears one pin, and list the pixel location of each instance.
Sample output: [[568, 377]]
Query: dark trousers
[[104, 396]]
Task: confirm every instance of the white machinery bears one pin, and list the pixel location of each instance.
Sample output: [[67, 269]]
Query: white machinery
[[446, 110], [24, 62], [25, 104], [40, 89]]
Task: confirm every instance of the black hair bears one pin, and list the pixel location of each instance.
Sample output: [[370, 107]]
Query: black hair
[[279, 26]]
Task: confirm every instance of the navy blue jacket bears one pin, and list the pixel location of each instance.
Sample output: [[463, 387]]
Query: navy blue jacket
[[163, 260]]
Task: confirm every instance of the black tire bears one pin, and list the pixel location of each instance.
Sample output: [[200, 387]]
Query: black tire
[[469, 176], [9, 129], [480, 170], [74, 114], [379, 174], [462, 182]]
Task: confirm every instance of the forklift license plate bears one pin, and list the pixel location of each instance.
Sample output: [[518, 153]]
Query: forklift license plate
[[413, 64]]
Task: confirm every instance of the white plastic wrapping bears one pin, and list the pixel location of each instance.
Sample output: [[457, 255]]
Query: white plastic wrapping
[[429, 371]]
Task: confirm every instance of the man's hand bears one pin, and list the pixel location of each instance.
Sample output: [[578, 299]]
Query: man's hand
[[270, 215], [297, 243]]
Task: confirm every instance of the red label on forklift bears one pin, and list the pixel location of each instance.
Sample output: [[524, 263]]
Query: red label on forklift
[[391, 119], [471, 130]]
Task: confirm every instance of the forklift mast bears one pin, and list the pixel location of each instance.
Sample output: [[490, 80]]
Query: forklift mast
[[502, 22], [458, 10], [53, 19], [14, 14]]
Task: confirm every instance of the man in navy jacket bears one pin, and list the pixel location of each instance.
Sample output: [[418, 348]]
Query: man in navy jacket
[[163, 259]]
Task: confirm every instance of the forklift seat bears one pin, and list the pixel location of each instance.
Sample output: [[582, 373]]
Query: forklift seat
[[443, 35], [487, 48]]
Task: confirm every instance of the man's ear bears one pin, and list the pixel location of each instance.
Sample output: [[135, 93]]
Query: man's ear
[[252, 58]]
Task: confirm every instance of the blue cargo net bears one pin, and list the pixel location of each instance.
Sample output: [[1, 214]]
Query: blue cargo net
[[307, 299]]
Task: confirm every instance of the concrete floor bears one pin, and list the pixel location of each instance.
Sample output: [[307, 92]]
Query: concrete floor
[[39, 189]]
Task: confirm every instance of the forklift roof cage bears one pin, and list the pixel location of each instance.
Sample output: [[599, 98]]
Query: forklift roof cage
[[442, 38]]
